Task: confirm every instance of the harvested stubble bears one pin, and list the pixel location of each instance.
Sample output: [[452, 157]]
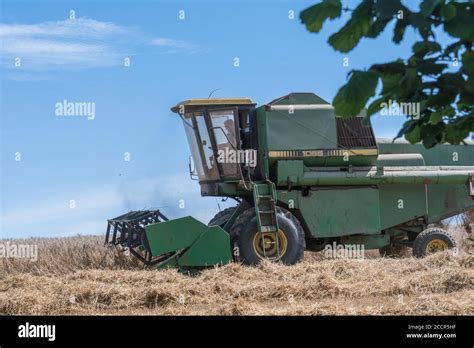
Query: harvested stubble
[[80, 276]]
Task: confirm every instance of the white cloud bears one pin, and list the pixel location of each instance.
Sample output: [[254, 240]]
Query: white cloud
[[41, 47], [174, 46], [75, 43], [70, 43], [80, 27]]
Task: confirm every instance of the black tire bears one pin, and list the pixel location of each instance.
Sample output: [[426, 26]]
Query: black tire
[[244, 231], [221, 218], [424, 242], [393, 250]]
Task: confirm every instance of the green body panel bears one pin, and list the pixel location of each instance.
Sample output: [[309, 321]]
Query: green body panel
[[447, 200], [289, 199], [210, 249], [333, 206], [195, 243], [402, 197], [169, 236], [401, 203], [300, 135], [443, 200], [338, 212]]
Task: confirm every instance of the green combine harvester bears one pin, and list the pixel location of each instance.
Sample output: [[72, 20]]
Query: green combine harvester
[[303, 179]]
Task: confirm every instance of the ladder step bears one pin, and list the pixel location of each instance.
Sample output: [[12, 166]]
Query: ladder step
[[267, 211], [269, 200]]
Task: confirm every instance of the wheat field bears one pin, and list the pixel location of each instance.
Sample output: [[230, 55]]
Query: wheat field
[[78, 275]]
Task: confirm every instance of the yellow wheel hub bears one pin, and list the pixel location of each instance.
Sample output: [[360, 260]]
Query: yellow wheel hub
[[436, 245], [270, 245]]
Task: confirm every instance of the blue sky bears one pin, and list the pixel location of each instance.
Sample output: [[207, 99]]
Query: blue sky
[[66, 159]]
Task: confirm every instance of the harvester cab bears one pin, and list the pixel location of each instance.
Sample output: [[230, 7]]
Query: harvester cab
[[304, 179], [221, 137]]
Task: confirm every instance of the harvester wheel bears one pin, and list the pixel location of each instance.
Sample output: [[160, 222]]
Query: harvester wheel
[[432, 240], [250, 246], [222, 217]]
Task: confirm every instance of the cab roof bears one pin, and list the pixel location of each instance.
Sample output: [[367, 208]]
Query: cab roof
[[213, 101]]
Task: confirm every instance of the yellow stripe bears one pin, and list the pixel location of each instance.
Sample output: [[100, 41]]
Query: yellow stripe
[[323, 153]]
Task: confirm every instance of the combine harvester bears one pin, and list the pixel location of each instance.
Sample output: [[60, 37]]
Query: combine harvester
[[304, 178]]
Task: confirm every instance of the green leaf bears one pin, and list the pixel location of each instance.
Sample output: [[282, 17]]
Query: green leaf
[[441, 99], [376, 106], [391, 83], [453, 48], [358, 26], [432, 134], [353, 96], [445, 98], [462, 24], [430, 67], [422, 48], [315, 16], [451, 81], [466, 97], [377, 27], [451, 134], [399, 30], [422, 24], [449, 111], [410, 81], [427, 7], [470, 84], [448, 12], [436, 117], [396, 67], [459, 129], [407, 127], [386, 9], [414, 135], [468, 62]]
